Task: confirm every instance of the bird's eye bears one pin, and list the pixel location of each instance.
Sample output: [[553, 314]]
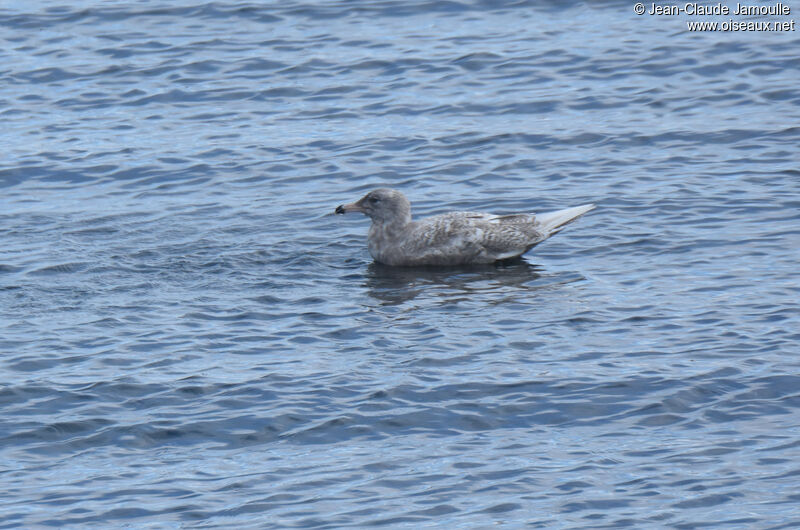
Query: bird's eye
[[374, 200]]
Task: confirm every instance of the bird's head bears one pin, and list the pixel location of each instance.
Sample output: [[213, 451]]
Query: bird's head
[[383, 205]]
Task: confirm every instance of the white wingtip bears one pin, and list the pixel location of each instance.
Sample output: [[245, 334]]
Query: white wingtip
[[552, 222]]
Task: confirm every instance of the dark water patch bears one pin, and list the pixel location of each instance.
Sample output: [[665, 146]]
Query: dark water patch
[[59, 268]]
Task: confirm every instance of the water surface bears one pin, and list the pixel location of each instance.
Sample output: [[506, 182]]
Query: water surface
[[191, 338]]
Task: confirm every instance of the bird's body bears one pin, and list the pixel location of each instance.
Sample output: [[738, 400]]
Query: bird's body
[[456, 238]]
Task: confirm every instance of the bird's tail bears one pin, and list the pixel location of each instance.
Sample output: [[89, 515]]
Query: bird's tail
[[553, 222]]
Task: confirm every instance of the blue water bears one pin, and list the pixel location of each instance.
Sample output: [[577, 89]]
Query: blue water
[[190, 337]]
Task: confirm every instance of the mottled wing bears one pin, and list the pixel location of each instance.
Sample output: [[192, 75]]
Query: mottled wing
[[476, 237], [508, 236], [448, 238], [515, 218]]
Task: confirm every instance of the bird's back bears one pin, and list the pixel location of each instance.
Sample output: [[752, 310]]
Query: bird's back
[[470, 237]]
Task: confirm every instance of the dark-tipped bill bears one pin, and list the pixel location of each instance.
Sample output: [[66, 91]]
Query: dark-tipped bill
[[346, 208]]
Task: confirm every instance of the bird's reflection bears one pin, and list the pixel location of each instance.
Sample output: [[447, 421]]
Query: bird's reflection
[[395, 285]]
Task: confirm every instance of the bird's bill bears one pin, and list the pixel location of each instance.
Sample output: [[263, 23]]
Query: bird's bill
[[347, 208]]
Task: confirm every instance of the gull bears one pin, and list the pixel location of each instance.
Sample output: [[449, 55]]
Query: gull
[[455, 238]]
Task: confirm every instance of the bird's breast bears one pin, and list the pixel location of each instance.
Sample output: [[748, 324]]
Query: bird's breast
[[385, 242]]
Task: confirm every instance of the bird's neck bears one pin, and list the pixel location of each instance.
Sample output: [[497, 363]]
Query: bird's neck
[[395, 224], [389, 230]]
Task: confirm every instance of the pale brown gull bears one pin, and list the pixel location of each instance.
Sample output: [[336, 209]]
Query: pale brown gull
[[456, 238]]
